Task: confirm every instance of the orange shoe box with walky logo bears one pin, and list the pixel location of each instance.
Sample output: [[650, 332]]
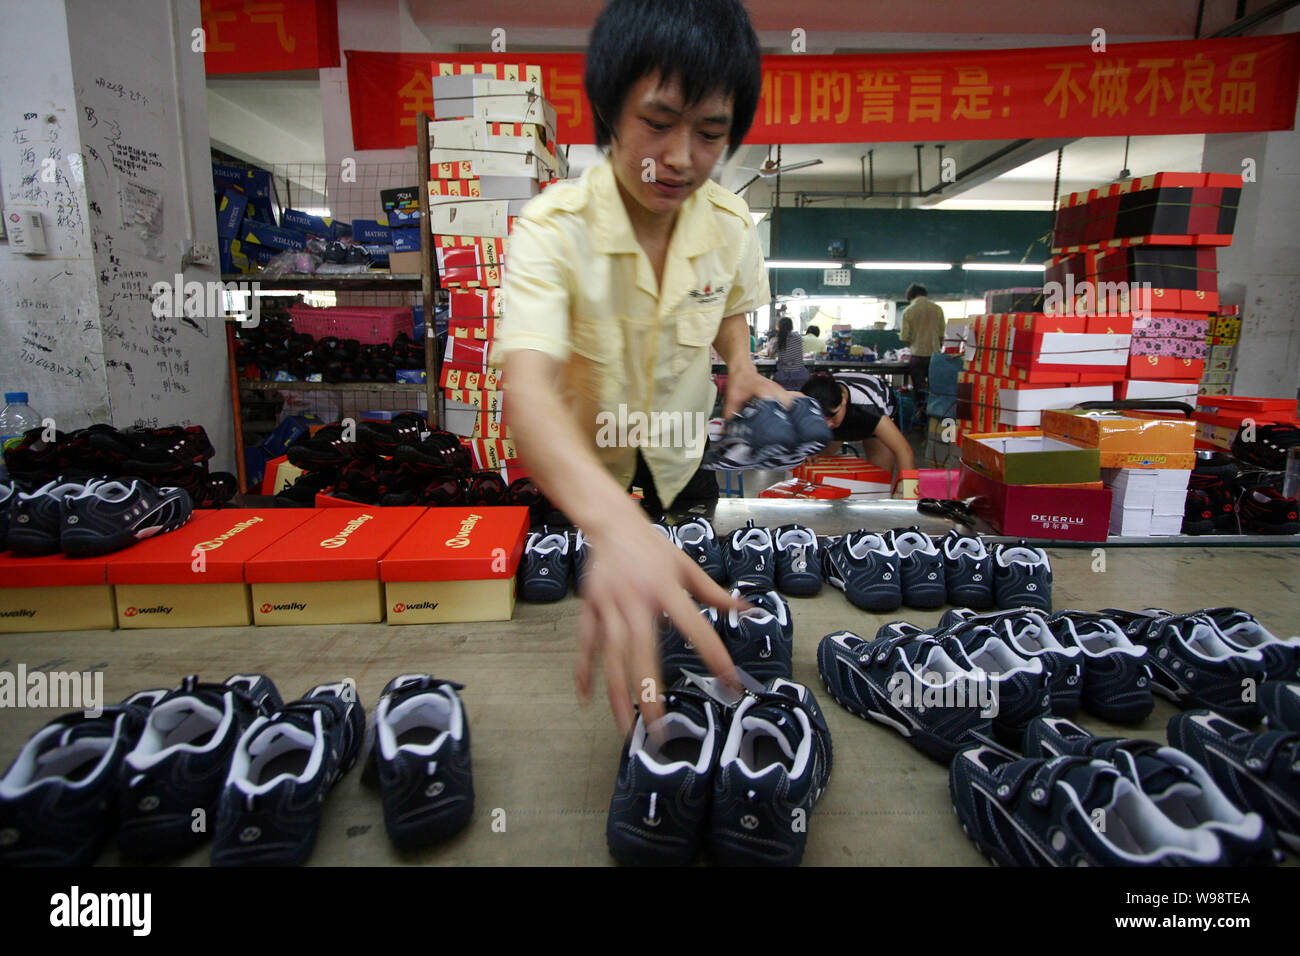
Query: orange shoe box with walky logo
[[194, 576], [54, 593], [455, 564], [326, 571]]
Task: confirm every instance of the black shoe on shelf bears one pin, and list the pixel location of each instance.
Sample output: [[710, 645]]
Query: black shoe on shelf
[[1263, 510], [1198, 513]]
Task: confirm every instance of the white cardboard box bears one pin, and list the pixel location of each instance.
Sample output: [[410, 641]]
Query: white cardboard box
[[497, 101]]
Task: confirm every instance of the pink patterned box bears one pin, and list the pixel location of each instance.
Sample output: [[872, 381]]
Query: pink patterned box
[[1169, 347], [1170, 327]]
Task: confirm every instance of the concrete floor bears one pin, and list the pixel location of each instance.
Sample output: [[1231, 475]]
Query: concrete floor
[[546, 765]]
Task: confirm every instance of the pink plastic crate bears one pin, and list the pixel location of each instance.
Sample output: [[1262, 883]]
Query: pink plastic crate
[[369, 325]]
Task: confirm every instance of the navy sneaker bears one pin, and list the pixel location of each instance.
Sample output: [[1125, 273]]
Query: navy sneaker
[[1280, 702], [283, 768], [661, 799], [1034, 812], [545, 566], [921, 566], [866, 568], [1194, 667], [111, 515], [58, 799], [751, 556], [774, 765], [698, 540], [908, 681], [1243, 631], [1030, 635], [36, 519], [1260, 772], [798, 561], [812, 434], [1022, 577], [181, 760], [581, 552], [676, 653], [420, 760], [1116, 679], [761, 639], [967, 571], [1019, 684], [1179, 786]]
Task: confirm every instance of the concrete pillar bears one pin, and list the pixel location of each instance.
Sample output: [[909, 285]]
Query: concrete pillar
[[1260, 271]]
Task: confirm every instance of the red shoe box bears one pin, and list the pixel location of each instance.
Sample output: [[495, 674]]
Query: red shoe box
[[326, 571], [470, 377], [55, 593], [1059, 512], [1165, 368], [797, 488], [484, 328], [194, 576], [473, 303], [455, 564]]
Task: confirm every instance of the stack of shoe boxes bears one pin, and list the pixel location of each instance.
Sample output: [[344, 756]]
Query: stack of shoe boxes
[[232, 568], [1154, 237], [1220, 417], [1145, 462], [492, 148], [1224, 331]]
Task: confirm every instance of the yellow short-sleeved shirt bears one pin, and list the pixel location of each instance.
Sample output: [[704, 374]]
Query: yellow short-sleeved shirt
[[578, 287]]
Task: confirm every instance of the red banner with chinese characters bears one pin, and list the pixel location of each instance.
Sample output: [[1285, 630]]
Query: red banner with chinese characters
[[1202, 86], [260, 36]]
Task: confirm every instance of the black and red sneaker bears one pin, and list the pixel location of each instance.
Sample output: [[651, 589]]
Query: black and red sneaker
[[357, 483], [486, 488], [1198, 513], [1263, 510], [524, 493], [303, 492], [442, 493], [167, 449], [325, 449], [1214, 475], [383, 438], [99, 450], [35, 460], [1270, 445], [440, 448]]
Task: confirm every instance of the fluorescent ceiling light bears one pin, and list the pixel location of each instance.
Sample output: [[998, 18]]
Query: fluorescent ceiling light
[[804, 264], [1002, 267], [905, 266]]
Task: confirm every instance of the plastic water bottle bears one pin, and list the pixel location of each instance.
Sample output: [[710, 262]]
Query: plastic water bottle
[[17, 417]]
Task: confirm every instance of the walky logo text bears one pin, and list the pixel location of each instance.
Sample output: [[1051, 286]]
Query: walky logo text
[[225, 536], [292, 606], [422, 606], [66, 690], [172, 300], [638, 429], [156, 609], [340, 539], [19, 612], [952, 690], [77, 909], [461, 540], [1097, 298]]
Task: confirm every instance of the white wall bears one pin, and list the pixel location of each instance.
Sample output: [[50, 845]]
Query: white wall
[[49, 305], [120, 102]]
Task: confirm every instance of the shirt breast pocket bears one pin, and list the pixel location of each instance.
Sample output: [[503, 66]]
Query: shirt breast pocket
[[696, 331]]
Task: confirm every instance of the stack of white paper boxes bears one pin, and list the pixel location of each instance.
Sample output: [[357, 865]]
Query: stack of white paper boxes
[[1146, 501], [491, 149]]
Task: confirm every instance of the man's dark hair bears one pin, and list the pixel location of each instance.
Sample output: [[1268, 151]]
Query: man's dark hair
[[706, 45], [823, 387], [813, 330], [914, 290]]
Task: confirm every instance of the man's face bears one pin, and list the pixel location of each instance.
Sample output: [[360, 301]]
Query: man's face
[[683, 143]]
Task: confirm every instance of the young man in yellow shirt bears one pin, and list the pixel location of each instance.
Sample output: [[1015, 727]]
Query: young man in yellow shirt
[[615, 288]]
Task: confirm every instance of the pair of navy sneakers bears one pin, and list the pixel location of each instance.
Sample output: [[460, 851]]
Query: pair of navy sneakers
[[1078, 800], [788, 559], [759, 640], [736, 775], [552, 559], [881, 571], [765, 434]]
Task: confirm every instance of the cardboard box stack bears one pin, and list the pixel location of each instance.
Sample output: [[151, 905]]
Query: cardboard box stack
[[1219, 417], [492, 148], [1220, 362]]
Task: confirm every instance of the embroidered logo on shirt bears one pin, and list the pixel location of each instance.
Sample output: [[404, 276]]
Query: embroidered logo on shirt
[[709, 296]]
